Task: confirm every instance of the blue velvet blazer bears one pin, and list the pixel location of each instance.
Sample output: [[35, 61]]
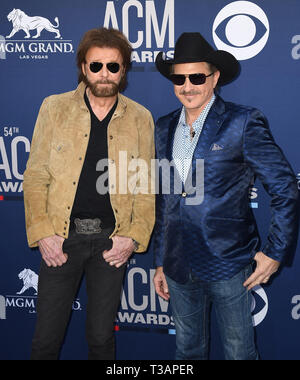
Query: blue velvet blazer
[[218, 237]]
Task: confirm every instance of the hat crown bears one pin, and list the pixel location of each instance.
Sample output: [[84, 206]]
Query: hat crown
[[191, 46]]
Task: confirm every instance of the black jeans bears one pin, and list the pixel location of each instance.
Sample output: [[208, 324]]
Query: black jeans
[[57, 289]]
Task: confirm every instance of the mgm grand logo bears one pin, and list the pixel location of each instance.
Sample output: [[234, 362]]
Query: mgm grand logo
[[30, 31], [26, 296]]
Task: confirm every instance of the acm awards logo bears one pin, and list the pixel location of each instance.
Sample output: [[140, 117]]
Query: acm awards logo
[[14, 151], [153, 28], [139, 303], [28, 29], [241, 28]]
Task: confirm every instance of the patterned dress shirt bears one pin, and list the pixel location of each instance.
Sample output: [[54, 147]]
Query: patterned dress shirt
[[184, 146]]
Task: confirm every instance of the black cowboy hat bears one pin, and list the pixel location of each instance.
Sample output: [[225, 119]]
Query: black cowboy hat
[[192, 47]]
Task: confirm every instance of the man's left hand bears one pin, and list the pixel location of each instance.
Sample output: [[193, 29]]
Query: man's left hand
[[121, 251], [265, 267]]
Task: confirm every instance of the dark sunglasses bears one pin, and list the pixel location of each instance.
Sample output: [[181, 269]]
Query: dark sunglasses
[[196, 79], [113, 67]]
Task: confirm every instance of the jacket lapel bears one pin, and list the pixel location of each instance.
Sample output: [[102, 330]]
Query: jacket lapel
[[211, 127], [171, 133]]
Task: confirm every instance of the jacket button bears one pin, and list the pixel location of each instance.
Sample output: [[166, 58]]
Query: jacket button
[[184, 194]]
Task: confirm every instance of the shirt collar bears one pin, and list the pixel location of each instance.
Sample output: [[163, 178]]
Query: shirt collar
[[201, 118]]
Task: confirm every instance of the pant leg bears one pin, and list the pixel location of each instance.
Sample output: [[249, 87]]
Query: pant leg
[[57, 289], [104, 286], [233, 309], [190, 309]]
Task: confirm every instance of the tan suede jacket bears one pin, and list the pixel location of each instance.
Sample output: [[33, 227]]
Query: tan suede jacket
[[57, 154]]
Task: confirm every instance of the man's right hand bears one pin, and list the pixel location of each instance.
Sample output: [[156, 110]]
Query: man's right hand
[[160, 284], [51, 251]]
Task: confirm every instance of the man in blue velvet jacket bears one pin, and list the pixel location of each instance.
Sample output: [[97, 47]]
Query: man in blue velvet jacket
[[205, 245]]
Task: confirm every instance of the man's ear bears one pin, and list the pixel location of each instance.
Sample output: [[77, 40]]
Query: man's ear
[[216, 77], [123, 71], [83, 69]]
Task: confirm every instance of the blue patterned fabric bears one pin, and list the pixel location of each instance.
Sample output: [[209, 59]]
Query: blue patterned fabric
[[184, 146], [219, 237]]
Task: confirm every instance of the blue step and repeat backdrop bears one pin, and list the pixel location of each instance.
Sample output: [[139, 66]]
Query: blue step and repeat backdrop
[[263, 35]]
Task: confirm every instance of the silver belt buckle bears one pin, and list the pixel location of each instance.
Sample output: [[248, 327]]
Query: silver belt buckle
[[88, 226]]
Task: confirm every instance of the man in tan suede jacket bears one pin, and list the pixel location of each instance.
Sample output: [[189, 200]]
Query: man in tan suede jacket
[[87, 207]]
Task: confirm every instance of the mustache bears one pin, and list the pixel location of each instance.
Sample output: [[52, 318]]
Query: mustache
[[192, 92], [104, 81]]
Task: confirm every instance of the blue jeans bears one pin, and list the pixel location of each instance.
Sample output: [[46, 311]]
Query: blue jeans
[[191, 304]]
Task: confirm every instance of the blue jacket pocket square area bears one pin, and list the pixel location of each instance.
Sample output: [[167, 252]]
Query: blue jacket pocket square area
[[216, 147]]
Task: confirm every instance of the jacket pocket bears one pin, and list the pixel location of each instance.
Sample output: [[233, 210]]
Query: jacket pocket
[[228, 236], [58, 158]]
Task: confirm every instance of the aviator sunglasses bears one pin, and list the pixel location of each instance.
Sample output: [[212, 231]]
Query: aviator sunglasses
[[113, 67], [196, 79]]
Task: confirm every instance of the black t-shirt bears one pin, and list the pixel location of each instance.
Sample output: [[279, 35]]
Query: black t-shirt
[[89, 204]]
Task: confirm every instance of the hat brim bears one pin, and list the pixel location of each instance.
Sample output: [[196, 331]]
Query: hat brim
[[225, 62]]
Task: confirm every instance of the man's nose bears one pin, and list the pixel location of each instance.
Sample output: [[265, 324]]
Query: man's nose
[[104, 72], [187, 84]]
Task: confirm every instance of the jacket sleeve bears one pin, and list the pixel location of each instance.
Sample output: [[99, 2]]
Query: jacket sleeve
[[271, 167], [37, 179], [143, 213]]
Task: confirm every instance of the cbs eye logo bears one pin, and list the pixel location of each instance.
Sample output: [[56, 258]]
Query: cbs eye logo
[[241, 28], [260, 305]]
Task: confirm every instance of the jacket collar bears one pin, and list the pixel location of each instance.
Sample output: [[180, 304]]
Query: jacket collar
[[218, 106]]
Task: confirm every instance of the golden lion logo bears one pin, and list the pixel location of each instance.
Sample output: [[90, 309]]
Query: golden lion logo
[[26, 23]]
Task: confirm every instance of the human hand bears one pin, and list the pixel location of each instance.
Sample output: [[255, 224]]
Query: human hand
[[51, 251], [265, 267], [122, 249], [160, 284]]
